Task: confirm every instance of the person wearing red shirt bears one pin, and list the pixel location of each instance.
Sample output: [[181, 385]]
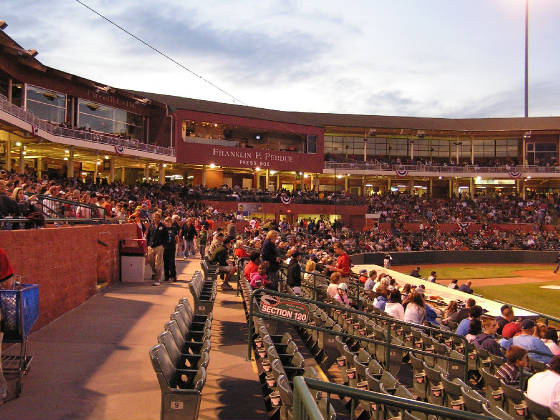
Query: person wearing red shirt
[[342, 262], [253, 266], [239, 251]]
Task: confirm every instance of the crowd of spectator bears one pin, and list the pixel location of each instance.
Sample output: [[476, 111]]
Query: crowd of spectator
[[402, 208], [117, 202]]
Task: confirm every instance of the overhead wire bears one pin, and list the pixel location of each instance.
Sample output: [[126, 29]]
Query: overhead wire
[[158, 51]]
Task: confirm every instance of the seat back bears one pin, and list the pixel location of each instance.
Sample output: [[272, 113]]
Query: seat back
[[494, 392], [163, 366], [277, 368], [173, 328], [537, 411], [453, 388], [166, 340], [373, 382], [456, 368], [285, 390], [183, 327], [298, 361], [388, 381], [184, 313], [473, 400]]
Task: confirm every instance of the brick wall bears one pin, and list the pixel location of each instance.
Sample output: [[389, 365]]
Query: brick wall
[[66, 262]]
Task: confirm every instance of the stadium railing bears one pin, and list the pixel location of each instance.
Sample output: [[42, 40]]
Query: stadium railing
[[306, 408], [58, 211], [55, 130], [475, 169]]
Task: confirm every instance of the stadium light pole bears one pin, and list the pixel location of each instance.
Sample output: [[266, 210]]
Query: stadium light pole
[[526, 58]]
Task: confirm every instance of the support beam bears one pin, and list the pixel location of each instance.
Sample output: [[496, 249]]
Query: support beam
[[39, 167], [70, 167], [21, 169], [431, 187], [277, 181], [146, 171], [10, 87], [345, 184], [9, 154], [524, 152], [123, 170], [161, 173], [203, 177], [266, 181], [112, 169]]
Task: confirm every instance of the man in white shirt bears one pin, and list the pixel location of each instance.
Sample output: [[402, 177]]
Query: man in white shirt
[[544, 387]]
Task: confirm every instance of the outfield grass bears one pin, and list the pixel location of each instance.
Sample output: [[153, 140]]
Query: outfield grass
[[528, 295], [481, 271]]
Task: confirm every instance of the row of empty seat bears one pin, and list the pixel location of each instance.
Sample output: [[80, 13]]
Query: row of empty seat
[[204, 288], [182, 355]]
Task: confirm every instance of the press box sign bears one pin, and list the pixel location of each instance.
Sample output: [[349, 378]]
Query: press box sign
[[284, 308]]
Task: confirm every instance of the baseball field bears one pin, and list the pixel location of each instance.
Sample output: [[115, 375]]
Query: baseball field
[[533, 286]]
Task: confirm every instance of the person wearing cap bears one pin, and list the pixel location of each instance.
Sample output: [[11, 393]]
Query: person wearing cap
[[363, 276], [220, 257], [530, 342], [342, 294], [293, 275]]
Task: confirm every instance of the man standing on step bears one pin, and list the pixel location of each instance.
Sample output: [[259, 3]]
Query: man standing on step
[[188, 233], [157, 235]]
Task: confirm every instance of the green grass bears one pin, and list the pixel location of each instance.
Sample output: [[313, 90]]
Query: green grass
[[482, 271], [528, 295]]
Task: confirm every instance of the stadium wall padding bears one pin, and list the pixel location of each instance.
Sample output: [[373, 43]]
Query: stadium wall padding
[[461, 257]]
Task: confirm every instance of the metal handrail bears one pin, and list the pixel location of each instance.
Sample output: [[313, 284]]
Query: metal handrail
[[304, 405], [93, 208], [301, 401], [389, 320], [53, 129]]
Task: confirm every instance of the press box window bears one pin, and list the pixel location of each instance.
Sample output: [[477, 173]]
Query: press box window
[[311, 144]]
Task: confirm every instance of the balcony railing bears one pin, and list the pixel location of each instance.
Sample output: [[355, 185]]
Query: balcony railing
[[55, 130], [474, 169]]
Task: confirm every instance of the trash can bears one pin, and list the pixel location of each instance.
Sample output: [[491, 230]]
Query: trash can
[[133, 260]]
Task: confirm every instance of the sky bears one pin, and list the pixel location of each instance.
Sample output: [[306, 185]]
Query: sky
[[430, 58]]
